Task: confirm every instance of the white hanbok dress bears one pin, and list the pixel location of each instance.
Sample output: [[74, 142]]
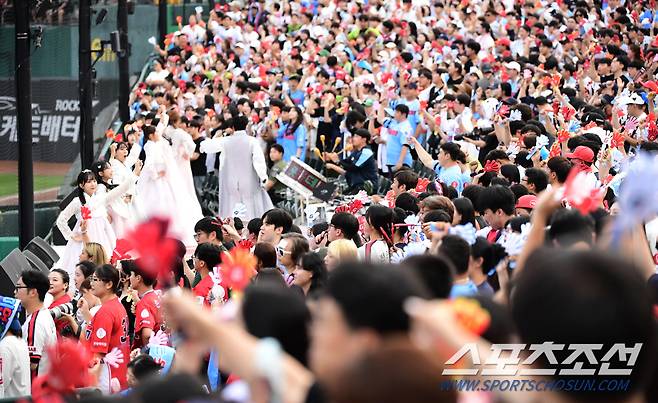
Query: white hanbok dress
[[242, 175], [183, 146], [99, 229], [122, 210], [162, 193]]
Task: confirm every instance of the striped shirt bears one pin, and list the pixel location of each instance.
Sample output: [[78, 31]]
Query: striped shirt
[[39, 332]]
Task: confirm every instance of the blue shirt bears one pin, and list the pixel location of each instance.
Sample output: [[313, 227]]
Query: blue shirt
[[292, 141], [451, 176], [397, 138], [297, 97], [414, 111], [463, 290]]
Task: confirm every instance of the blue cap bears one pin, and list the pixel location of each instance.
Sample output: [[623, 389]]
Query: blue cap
[[9, 308]]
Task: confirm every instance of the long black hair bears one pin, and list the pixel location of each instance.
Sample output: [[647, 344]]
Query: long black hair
[[380, 218], [292, 126], [97, 168], [83, 177], [465, 208], [312, 262], [148, 130]]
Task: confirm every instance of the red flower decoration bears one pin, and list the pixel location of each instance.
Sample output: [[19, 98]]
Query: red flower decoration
[[119, 138], [85, 212], [156, 251], [568, 113], [109, 133], [238, 267], [492, 166]]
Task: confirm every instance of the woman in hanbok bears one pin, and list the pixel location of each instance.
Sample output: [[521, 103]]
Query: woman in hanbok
[[123, 215], [90, 206], [183, 147], [160, 188], [124, 159]]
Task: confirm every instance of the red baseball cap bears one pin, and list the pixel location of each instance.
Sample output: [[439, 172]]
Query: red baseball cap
[[582, 153], [527, 201]]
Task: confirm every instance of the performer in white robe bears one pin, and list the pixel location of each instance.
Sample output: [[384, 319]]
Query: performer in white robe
[[124, 211], [99, 229], [183, 146], [161, 190], [242, 172]]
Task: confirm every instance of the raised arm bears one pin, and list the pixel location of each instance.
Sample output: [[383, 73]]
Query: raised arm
[[423, 155]]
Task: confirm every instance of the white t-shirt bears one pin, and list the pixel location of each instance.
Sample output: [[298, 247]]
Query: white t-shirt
[[378, 252], [15, 367], [39, 332]]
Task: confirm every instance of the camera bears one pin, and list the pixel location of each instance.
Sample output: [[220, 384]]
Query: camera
[[65, 309]]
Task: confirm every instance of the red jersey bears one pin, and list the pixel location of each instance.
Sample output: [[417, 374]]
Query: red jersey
[[61, 323], [203, 290], [109, 329], [147, 316]]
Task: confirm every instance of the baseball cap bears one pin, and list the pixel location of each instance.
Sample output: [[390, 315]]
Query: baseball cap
[[582, 153], [513, 66], [368, 102], [486, 68], [526, 201], [11, 307], [630, 99]]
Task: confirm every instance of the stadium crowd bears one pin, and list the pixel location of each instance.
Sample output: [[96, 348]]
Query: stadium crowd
[[516, 142]]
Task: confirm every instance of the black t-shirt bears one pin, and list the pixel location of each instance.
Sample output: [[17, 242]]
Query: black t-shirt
[[331, 130], [199, 165]]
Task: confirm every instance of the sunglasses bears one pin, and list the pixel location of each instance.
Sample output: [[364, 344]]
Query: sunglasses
[[282, 252]]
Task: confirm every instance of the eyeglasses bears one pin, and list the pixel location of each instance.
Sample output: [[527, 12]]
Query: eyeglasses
[[282, 252], [19, 287]]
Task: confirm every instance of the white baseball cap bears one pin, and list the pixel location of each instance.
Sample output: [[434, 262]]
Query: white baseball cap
[[513, 66]]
